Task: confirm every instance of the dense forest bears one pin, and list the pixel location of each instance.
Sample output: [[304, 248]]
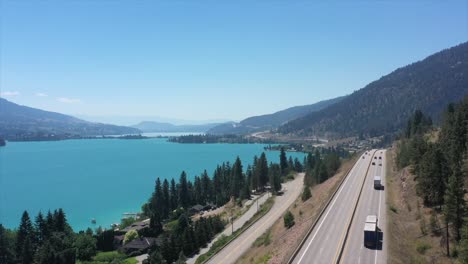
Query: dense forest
[[383, 106], [439, 160]]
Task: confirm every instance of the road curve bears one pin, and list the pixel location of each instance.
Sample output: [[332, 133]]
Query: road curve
[[241, 244], [372, 202], [323, 243]]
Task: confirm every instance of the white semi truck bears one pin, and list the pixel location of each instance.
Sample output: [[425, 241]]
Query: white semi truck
[[377, 182], [371, 231]]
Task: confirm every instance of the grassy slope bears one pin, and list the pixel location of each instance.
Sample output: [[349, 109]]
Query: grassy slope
[[407, 219]]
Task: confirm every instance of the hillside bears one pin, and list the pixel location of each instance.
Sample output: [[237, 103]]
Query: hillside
[[17, 120], [385, 105], [151, 126], [271, 121]]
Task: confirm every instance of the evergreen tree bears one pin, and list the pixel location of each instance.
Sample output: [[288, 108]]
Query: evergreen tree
[[184, 195], [432, 176], [24, 240], [207, 189], [290, 164], [283, 162], [306, 194], [236, 178], [288, 219], [297, 165], [275, 177], [41, 228], [173, 195], [261, 171], [6, 247], [166, 199], [454, 202], [255, 177]]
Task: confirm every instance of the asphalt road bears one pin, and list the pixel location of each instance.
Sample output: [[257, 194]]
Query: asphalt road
[[372, 202], [241, 244], [323, 243], [238, 223]]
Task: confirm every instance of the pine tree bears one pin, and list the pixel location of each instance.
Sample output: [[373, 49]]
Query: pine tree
[[184, 195], [290, 164], [236, 178], [306, 194], [166, 199], [173, 195], [297, 165], [6, 247], [275, 178], [24, 249], [261, 170], [454, 202], [207, 189], [283, 162], [41, 228]]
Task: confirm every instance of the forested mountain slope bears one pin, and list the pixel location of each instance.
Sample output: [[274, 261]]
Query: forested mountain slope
[[271, 121], [385, 105]]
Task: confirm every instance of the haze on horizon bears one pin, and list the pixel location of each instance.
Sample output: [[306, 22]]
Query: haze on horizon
[[209, 60]]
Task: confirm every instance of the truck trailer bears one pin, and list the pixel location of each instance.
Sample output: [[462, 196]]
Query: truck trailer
[[371, 231], [377, 182]]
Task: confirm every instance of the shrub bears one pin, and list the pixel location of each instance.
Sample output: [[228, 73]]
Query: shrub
[[422, 247], [306, 194], [130, 235], [288, 219]]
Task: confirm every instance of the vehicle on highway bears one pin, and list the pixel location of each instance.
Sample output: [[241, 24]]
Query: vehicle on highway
[[380, 157], [370, 231], [377, 182], [375, 157], [373, 163]]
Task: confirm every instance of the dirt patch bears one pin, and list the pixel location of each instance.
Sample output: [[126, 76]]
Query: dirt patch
[[282, 241], [410, 224]]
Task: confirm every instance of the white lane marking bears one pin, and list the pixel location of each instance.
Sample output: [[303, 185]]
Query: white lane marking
[[328, 211], [380, 198]]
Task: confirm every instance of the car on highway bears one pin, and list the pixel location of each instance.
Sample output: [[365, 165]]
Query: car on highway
[[373, 163]]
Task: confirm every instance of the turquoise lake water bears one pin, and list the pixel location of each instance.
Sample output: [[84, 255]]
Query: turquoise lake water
[[101, 178]]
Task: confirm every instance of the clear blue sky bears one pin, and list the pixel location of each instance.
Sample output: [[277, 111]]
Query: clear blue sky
[[210, 59]]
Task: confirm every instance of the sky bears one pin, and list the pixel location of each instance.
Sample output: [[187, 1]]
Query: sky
[[209, 60]]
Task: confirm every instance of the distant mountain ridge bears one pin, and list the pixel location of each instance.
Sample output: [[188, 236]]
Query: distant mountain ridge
[[271, 121], [152, 126], [23, 120], [385, 105]]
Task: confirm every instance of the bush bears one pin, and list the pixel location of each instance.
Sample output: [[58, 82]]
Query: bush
[[422, 247], [130, 235], [288, 219], [422, 225], [306, 194]]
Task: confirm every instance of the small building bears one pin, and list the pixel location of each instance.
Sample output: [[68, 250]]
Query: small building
[[196, 209], [135, 226], [139, 245]]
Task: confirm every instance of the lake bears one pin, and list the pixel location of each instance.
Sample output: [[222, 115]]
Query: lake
[[101, 178]]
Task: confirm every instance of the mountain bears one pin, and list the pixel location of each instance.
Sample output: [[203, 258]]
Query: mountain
[[271, 121], [385, 105], [151, 126], [17, 120]]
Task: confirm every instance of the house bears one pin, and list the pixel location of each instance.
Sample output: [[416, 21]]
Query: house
[[135, 226], [139, 245], [196, 209]]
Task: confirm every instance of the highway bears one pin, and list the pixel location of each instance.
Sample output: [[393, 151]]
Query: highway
[[241, 244], [372, 202], [324, 242]]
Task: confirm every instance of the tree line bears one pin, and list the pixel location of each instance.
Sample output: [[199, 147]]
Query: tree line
[[48, 239], [439, 160]]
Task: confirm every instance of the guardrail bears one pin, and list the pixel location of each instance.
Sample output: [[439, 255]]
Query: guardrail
[[296, 251]]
